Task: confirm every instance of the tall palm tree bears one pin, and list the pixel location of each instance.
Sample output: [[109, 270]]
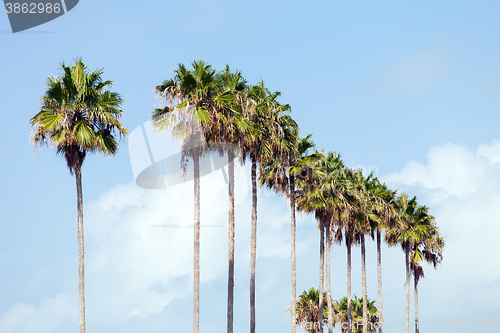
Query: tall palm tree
[[311, 199], [386, 215], [191, 98], [281, 175], [411, 229], [320, 190], [358, 184], [333, 190], [79, 115], [296, 156], [226, 132], [430, 249], [389, 215], [350, 218], [261, 139], [376, 211]]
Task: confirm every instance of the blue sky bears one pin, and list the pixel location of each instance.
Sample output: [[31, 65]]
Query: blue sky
[[407, 89]]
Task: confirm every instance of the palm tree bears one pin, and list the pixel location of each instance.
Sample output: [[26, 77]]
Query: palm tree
[[320, 190], [296, 157], [429, 249], [382, 192], [79, 115], [260, 140], [311, 199], [308, 309], [225, 134], [386, 215], [349, 219], [341, 311], [280, 174], [413, 224], [333, 190], [191, 104], [376, 210], [358, 184]]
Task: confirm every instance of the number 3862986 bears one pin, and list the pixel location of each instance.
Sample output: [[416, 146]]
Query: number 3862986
[[32, 8]]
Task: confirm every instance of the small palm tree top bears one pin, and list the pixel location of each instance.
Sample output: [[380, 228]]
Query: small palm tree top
[[308, 310], [79, 115]]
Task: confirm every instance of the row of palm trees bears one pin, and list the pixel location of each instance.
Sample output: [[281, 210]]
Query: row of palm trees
[[219, 112], [347, 205]]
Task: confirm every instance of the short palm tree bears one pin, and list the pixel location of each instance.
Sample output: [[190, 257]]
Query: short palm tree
[[308, 311], [341, 311], [79, 115]]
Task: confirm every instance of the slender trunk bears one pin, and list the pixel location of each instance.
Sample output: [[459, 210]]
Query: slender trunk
[[417, 327], [328, 282], [349, 312], [363, 279], [230, 280], [321, 271], [254, 246], [407, 286], [81, 272], [196, 256], [379, 273], [292, 245]]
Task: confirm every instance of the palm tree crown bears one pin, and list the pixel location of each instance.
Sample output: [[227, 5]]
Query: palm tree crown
[[79, 115]]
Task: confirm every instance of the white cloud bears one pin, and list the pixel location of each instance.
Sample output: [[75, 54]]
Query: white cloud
[[49, 316], [139, 247], [461, 187], [140, 244], [452, 170], [138, 265]]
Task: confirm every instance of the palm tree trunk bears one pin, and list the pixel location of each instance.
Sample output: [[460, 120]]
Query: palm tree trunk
[[328, 282], [417, 328], [379, 273], [196, 256], [321, 271], [363, 279], [254, 246], [81, 272], [407, 286], [230, 280], [292, 245], [349, 310]]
